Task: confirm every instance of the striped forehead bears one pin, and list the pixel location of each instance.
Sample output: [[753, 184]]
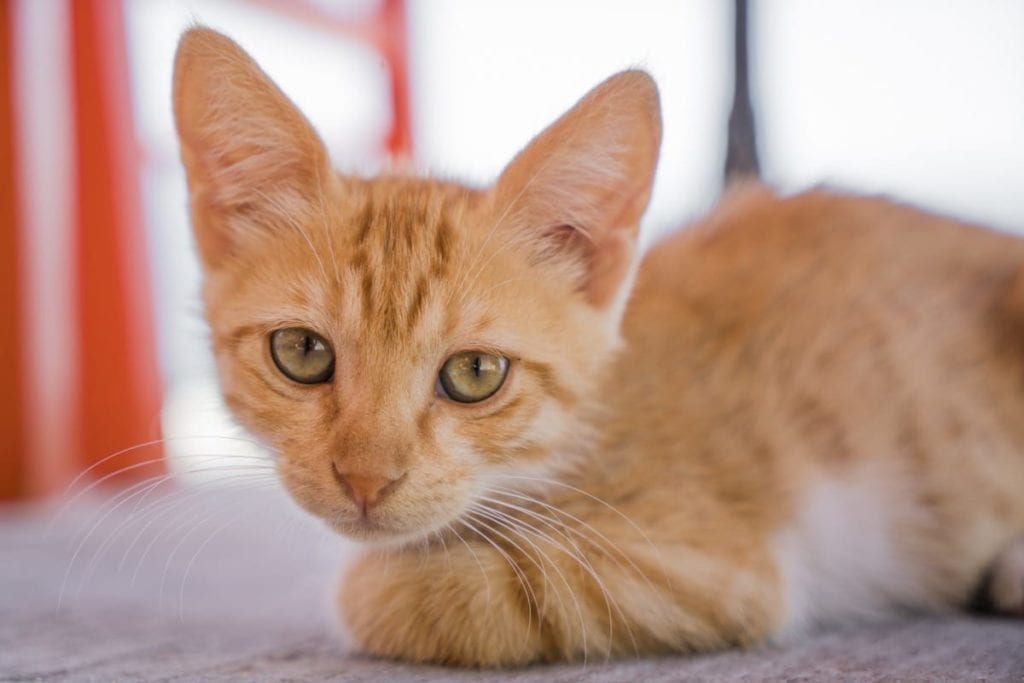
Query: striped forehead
[[403, 245]]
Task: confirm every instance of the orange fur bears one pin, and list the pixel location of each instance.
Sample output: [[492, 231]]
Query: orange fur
[[807, 409]]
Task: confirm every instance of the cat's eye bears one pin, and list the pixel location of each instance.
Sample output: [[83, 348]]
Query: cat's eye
[[302, 355], [472, 376]]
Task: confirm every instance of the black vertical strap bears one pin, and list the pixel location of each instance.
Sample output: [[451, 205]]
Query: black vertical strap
[[741, 147]]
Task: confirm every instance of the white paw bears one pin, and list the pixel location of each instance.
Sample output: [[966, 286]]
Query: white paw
[[1006, 584]]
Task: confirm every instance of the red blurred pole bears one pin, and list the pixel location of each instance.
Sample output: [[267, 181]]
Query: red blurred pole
[[119, 389], [395, 46], [386, 30], [13, 456]]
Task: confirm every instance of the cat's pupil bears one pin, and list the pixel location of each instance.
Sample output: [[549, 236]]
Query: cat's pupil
[[476, 366]]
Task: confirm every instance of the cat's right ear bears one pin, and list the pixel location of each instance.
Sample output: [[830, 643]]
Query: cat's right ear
[[252, 160]]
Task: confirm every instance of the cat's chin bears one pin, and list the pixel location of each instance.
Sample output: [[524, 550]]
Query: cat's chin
[[379, 533]]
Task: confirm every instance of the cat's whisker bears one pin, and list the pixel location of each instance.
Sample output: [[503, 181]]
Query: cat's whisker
[[152, 509], [112, 505], [439, 533], [560, 527], [580, 558], [188, 567], [611, 604], [266, 470], [120, 528], [249, 478], [595, 537], [555, 525], [476, 558], [174, 504], [129, 468], [156, 442], [122, 525], [190, 526], [532, 603], [290, 528], [539, 563], [478, 511], [605, 542], [554, 482], [149, 484]]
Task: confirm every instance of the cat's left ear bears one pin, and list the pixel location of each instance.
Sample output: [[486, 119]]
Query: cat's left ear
[[579, 188]]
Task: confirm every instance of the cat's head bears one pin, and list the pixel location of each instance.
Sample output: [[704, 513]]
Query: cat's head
[[406, 344]]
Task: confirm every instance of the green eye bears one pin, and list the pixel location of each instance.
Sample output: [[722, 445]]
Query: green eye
[[302, 355], [472, 376]]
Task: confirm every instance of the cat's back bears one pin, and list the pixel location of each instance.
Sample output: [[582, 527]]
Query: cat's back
[[761, 268], [832, 326], [755, 246]]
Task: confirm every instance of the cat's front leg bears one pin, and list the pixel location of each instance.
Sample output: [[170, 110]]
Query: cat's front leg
[[455, 605]]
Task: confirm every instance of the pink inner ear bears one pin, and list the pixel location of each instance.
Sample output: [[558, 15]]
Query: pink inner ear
[[602, 262], [563, 241], [565, 236]]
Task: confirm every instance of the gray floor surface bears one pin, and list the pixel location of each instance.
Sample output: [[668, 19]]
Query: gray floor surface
[[219, 584]]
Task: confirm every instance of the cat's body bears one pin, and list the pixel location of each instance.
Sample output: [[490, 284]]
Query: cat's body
[[816, 417], [845, 377], [806, 410]]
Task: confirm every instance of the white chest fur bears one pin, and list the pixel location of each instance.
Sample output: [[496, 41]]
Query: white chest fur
[[839, 560]]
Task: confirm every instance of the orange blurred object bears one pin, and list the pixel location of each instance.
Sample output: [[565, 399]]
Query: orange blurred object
[[12, 379], [119, 389]]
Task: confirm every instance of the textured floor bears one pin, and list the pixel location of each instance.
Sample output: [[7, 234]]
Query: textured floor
[[234, 585]]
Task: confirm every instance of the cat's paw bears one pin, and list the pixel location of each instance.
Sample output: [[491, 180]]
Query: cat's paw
[[438, 607], [1005, 588]]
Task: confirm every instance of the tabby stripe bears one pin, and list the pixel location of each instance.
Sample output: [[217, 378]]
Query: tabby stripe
[[442, 248], [419, 298], [256, 374], [548, 381], [365, 221]]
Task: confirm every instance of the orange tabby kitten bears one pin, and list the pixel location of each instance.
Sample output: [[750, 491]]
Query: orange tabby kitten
[[798, 411]]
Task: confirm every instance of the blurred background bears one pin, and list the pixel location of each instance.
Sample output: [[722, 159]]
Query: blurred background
[[106, 350]]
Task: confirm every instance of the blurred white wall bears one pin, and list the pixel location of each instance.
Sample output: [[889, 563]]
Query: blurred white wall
[[919, 99], [489, 75]]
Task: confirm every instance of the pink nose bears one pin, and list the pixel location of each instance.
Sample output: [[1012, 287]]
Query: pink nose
[[366, 490]]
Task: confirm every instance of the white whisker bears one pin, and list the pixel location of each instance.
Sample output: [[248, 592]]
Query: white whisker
[[579, 557], [607, 543], [488, 514], [531, 597], [476, 558], [188, 566], [609, 506]]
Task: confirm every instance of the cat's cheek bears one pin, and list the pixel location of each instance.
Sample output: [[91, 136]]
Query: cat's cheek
[[303, 488]]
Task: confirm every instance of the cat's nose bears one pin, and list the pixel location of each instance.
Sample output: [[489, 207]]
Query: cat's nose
[[366, 489]]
